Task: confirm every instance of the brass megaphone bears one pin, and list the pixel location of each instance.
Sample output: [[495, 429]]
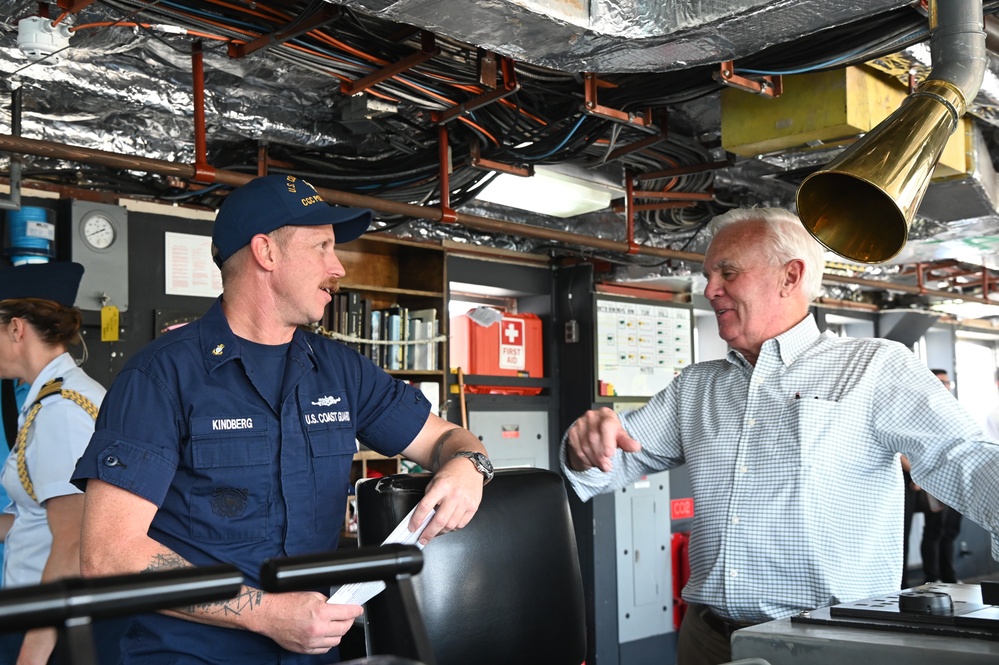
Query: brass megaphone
[[861, 204]]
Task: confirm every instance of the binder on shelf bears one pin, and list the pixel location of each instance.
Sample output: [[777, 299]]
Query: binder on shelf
[[377, 350], [365, 347], [423, 327], [354, 318], [393, 333], [416, 356]]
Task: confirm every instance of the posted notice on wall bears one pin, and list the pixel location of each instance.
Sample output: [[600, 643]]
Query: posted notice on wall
[[641, 346], [190, 270]]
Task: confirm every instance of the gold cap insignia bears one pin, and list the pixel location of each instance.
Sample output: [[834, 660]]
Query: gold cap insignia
[[217, 351]]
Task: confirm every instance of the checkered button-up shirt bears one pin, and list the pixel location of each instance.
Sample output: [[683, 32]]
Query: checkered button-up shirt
[[797, 485]]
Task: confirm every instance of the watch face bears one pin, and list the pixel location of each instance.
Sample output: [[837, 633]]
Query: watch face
[[484, 462], [98, 230]]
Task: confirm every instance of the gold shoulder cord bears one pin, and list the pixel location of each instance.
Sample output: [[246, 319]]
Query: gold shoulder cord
[[53, 387]]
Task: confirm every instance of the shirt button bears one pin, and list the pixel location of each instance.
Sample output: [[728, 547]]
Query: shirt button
[[735, 520], [734, 573], [751, 422], [112, 460], [743, 469]]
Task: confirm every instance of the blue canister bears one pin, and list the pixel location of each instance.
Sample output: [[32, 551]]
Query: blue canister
[[30, 236]]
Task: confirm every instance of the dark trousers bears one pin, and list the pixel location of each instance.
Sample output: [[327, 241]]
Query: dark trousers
[[937, 547], [705, 638], [911, 500]]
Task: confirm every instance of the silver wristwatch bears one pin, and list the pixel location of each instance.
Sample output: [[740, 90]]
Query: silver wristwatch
[[481, 462]]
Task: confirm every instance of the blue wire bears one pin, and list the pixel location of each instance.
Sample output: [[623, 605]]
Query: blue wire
[[564, 141], [761, 72]]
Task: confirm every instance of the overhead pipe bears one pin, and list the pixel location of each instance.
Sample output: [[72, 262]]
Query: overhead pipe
[[484, 224], [861, 204]]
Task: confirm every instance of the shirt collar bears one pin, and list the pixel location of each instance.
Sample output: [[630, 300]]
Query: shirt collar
[[789, 345], [57, 367], [220, 345]]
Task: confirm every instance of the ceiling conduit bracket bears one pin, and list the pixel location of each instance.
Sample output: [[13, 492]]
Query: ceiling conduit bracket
[[767, 86], [263, 158], [324, 16], [954, 274], [448, 215], [13, 202], [669, 200], [920, 277], [477, 161], [428, 50], [203, 171], [74, 6], [629, 212], [592, 106], [685, 170], [488, 63]]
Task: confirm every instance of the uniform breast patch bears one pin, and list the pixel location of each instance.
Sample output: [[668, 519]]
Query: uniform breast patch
[[229, 501], [326, 410]]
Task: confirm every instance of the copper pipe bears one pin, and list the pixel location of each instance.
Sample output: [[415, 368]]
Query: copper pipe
[[904, 288], [40, 148]]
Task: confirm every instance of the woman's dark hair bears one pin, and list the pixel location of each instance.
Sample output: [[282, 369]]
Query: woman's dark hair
[[54, 323]]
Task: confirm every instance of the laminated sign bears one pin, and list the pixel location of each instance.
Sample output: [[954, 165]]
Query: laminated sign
[[511, 348]]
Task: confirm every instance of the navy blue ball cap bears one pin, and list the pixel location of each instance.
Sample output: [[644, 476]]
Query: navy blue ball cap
[[272, 201], [58, 281]]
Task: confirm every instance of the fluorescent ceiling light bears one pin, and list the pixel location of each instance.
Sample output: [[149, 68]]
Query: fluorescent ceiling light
[[548, 192]]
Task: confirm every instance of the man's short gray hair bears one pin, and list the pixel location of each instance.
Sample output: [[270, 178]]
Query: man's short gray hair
[[786, 239]]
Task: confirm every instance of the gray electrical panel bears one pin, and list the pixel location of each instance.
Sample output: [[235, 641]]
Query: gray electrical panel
[[97, 237], [644, 568], [513, 438]]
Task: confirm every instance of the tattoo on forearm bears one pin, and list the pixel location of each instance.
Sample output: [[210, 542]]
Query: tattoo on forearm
[[435, 457], [246, 600], [167, 561]]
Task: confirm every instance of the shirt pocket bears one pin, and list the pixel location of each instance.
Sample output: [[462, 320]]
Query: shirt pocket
[[329, 429], [813, 432], [232, 478]]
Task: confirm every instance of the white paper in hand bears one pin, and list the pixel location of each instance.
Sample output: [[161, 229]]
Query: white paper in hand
[[358, 593]]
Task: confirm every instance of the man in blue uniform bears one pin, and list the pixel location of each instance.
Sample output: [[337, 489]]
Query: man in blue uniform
[[230, 441]]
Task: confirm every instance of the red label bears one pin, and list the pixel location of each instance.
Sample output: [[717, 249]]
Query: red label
[[681, 509]]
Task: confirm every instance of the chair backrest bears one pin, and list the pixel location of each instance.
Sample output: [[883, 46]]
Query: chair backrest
[[505, 590]]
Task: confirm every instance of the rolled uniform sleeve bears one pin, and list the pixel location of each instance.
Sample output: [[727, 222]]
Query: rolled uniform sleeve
[[138, 454], [390, 412]]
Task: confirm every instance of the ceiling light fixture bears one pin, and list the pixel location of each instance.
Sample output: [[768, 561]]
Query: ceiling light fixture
[[550, 192]]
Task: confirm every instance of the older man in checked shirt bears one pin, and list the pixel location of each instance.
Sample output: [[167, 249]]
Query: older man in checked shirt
[[791, 443]]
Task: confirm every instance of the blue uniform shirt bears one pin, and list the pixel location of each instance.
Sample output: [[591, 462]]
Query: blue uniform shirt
[[185, 426]]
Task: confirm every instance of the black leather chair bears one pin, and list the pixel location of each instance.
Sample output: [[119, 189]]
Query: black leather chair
[[505, 590]]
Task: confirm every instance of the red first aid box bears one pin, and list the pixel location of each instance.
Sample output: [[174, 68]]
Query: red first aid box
[[508, 347]]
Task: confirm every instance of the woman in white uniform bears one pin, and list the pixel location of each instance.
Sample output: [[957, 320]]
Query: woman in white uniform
[[38, 323]]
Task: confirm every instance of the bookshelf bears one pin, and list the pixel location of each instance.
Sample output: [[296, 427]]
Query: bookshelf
[[396, 284], [384, 274]]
